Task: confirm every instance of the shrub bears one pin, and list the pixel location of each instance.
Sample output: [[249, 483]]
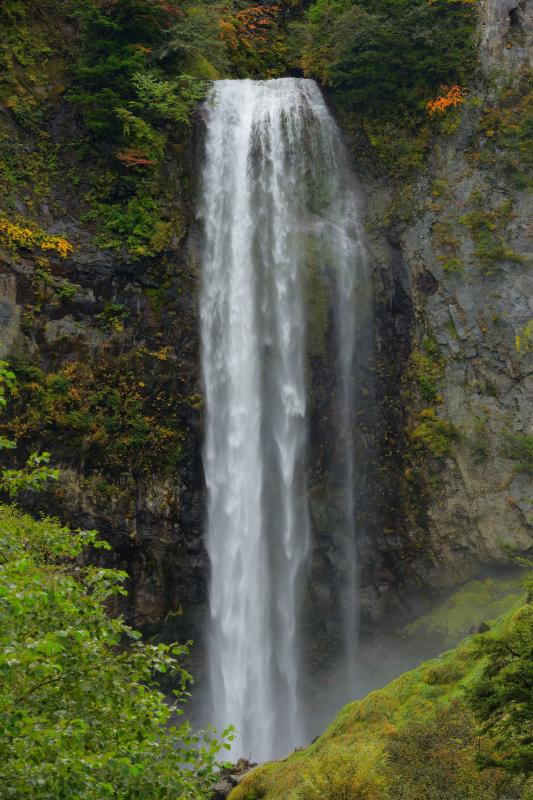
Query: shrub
[[501, 695], [519, 447], [118, 41], [435, 758], [80, 709], [434, 434], [21, 236]]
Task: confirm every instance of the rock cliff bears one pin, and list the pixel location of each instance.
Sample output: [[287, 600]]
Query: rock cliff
[[447, 421], [454, 287]]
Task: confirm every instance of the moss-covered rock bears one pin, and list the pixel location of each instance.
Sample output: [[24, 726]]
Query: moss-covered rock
[[414, 738]]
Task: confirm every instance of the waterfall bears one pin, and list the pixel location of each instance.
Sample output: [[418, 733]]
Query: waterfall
[[275, 188]]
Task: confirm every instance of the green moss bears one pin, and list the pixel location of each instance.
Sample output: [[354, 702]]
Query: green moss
[[439, 187], [316, 299], [401, 151], [507, 135], [490, 233], [452, 265], [416, 733], [467, 608], [479, 441], [446, 243], [519, 447], [426, 367], [433, 434], [427, 431]]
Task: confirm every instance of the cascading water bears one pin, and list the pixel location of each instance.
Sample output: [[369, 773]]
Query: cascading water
[[275, 188]]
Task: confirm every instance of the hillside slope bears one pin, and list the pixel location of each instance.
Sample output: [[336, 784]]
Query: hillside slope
[[415, 738]]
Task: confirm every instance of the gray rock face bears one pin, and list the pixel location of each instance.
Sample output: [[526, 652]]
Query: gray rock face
[[476, 303], [505, 28], [153, 520], [9, 313]]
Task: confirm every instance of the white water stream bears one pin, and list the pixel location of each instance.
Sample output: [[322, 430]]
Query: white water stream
[[275, 187]]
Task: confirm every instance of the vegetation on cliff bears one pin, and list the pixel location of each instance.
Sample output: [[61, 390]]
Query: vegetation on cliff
[[390, 65], [126, 77], [98, 101], [81, 711], [456, 728]]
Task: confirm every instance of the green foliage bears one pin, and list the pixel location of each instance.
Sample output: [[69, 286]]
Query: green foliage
[[168, 100], [136, 103], [131, 225], [393, 55], [8, 382], [113, 317], [33, 477], [80, 708], [443, 230], [26, 170], [519, 447], [507, 134], [118, 41], [428, 368], [195, 37], [115, 74], [137, 132], [490, 232], [36, 473], [102, 411], [428, 432], [385, 60], [29, 58], [50, 289], [433, 434], [502, 695], [452, 265]]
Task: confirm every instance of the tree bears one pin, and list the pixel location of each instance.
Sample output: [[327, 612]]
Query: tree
[[502, 695], [81, 714], [388, 57], [195, 36], [119, 39]]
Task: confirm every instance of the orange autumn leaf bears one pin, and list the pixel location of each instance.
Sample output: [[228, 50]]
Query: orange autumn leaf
[[132, 157], [450, 97]]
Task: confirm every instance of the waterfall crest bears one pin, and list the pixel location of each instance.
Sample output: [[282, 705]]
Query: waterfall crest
[[275, 185]]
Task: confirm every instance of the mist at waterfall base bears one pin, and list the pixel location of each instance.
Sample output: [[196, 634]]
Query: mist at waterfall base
[[280, 221]]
